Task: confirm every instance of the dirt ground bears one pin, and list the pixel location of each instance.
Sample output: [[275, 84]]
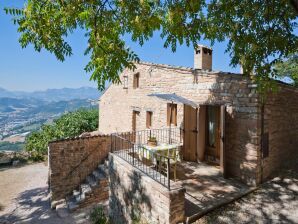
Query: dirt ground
[[24, 197]]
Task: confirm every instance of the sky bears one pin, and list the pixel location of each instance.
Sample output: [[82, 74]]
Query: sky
[[28, 70]]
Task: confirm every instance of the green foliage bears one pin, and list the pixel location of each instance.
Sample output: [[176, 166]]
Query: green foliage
[[9, 146], [98, 216], [289, 68], [259, 32], [68, 125]]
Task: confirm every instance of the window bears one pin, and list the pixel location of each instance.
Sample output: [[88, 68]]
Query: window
[[149, 119], [135, 114], [171, 114], [125, 82], [136, 81]]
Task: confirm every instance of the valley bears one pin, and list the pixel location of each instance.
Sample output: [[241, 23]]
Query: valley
[[21, 115]]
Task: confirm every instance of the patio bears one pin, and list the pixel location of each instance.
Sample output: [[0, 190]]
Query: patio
[[205, 186]]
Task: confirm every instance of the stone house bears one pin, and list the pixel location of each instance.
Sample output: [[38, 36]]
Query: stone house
[[229, 141], [229, 126]]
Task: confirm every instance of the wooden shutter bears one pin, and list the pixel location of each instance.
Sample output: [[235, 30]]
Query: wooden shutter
[[168, 114], [202, 133], [222, 140], [148, 119], [174, 114], [171, 111], [134, 120], [136, 80]]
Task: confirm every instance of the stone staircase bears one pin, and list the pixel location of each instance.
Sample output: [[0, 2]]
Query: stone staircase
[[94, 189]]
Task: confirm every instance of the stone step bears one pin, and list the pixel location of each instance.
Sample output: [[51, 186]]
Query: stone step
[[106, 163], [85, 189], [92, 180], [103, 168], [99, 174], [72, 204], [75, 193]]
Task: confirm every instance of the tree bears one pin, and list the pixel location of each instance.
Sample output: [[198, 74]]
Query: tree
[[68, 125], [289, 68], [259, 32]]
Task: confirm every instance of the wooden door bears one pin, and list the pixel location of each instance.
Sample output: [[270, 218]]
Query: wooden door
[[202, 133], [134, 124], [190, 134], [134, 120], [213, 133]]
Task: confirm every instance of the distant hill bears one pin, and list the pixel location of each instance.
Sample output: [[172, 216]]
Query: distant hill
[[21, 116], [24, 112], [5, 93], [30, 106], [64, 94]]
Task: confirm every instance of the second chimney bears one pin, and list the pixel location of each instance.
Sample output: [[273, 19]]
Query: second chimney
[[203, 58]]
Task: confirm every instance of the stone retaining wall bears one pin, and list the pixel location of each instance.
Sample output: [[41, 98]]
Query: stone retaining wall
[[135, 196], [71, 160]]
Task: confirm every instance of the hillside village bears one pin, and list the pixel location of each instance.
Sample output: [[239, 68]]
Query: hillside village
[[20, 115]]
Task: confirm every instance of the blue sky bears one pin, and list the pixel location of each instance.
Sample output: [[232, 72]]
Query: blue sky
[[25, 69]]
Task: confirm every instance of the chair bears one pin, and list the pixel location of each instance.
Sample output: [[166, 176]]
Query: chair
[[162, 163]]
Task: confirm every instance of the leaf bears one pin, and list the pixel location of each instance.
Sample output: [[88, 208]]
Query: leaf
[[258, 32]]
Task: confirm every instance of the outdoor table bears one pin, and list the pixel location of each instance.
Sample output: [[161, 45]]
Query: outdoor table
[[149, 152]]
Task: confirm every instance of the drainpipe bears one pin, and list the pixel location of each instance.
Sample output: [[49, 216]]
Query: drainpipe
[[262, 136], [170, 122]]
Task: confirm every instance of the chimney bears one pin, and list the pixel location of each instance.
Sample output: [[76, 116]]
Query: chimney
[[203, 58]]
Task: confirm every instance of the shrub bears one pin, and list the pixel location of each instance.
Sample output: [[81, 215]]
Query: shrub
[[97, 216], [68, 125]]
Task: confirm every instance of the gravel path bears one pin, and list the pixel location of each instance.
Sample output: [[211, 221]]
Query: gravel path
[[275, 202], [24, 197]]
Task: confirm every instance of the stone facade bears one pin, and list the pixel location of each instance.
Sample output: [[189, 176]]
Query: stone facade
[[135, 196], [243, 152], [281, 124], [203, 87], [72, 160]]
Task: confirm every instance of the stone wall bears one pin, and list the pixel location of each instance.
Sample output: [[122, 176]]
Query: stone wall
[[281, 123], [135, 196], [203, 87], [71, 160]]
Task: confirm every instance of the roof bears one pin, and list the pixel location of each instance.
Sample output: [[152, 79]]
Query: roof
[[174, 98], [183, 68]]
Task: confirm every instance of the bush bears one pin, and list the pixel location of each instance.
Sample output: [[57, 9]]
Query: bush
[[97, 216], [68, 125]]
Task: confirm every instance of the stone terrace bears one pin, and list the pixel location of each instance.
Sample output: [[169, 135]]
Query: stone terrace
[[206, 188]]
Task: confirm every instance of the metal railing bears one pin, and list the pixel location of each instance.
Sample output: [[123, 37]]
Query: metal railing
[[130, 147]]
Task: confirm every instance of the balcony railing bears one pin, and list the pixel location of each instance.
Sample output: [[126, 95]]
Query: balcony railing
[[130, 146]]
